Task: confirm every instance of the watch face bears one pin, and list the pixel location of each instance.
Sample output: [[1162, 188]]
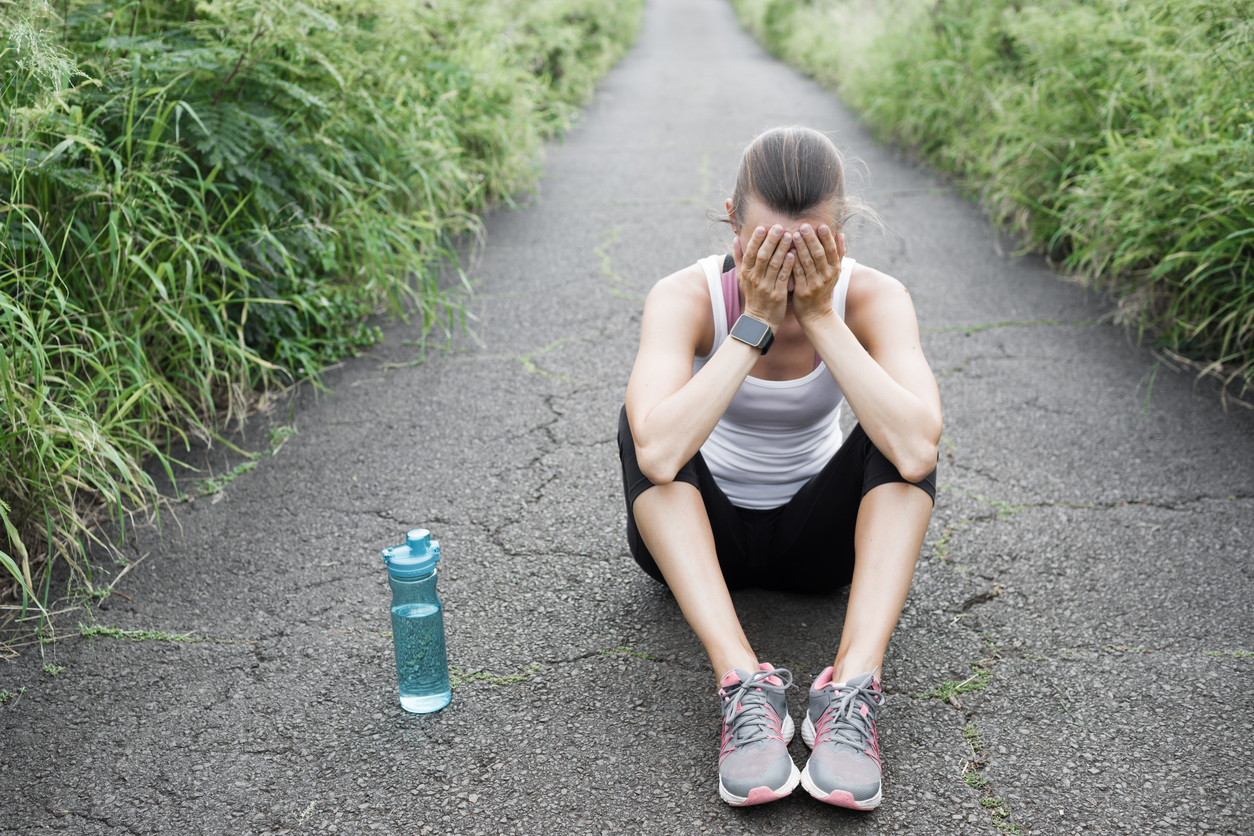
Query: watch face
[[750, 330]]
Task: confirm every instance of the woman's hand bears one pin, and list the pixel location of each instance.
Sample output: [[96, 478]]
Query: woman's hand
[[762, 270], [819, 254]]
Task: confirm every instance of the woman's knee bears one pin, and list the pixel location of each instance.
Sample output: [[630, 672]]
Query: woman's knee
[[879, 470]]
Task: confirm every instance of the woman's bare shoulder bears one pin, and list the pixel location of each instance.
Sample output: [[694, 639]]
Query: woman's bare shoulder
[[680, 304], [868, 285], [686, 286], [878, 306]]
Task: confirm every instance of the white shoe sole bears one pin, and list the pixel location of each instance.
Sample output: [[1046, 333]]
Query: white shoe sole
[[761, 795], [839, 798]]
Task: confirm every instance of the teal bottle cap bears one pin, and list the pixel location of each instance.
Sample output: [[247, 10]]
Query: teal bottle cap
[[415, 557]]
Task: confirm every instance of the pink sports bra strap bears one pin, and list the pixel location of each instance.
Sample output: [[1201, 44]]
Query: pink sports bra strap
[[731, 297], [731, 301]]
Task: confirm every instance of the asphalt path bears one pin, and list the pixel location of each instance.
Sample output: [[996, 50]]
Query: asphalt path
[[1087, 576]]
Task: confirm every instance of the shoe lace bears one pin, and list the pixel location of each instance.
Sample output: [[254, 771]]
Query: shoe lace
[[843, 721], [746, 713]]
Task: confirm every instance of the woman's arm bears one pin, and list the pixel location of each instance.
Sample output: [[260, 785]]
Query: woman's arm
[[671, 411], [874, 354]]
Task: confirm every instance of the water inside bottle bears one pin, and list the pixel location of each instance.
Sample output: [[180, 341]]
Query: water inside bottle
[[421, 660]]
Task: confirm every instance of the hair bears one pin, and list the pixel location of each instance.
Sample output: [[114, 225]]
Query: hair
[[796, 171]]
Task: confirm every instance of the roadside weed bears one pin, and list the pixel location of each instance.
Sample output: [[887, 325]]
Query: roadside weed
[[457, 676], [203, 202], [8, 696], [1115, 137], [639, 654], [973, 776], [106, 631], [950, 689]]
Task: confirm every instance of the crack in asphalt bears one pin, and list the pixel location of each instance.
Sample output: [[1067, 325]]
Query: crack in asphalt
[[979, 681], [999, 810], [968, 330], [1119, 650], [973, 776], [607, 269], [530, 366], [949, 454], [1007, 509]]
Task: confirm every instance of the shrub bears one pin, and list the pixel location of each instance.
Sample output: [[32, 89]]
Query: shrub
[[1116, 137], [202, 200]]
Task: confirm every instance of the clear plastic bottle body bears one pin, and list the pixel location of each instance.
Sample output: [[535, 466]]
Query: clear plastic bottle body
[[418, 637]]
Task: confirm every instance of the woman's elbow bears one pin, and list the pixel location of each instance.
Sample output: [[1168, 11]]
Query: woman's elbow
[[919, 464], [655, 468]]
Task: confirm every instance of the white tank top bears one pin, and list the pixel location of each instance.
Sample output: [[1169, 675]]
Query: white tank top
[[775, 434]]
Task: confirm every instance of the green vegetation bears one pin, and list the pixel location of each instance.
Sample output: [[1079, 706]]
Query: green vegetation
[[54, 670], [8, 696], [94, 630], [203, 200], [1004, 509], [1116, 137], [949, 690], [973, 776], [458, 677], [213, 486], [942, 545], [975, 779], [968, 330], [639, 654]]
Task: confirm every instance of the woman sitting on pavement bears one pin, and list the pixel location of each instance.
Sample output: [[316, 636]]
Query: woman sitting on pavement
[[736, 474]]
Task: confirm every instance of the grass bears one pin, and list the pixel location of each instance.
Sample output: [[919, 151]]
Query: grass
[[1115, 137], [627, 651], [458, 677], [214, 485], [968, 330], [619, 287], [942, 549], [1005, 510], [973, 776], [200, 202], [106, 631], [950, 689]]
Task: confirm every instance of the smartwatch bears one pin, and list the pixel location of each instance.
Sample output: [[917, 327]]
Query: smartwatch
[[753, 332]]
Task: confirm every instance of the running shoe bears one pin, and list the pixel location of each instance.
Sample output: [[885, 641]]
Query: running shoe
[[844, 766], [753, 762]]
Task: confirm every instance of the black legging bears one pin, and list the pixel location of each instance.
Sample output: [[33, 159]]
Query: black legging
[[804, 546]]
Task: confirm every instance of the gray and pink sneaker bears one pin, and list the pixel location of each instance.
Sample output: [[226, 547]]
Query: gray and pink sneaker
[[753, 763], [844, 766]]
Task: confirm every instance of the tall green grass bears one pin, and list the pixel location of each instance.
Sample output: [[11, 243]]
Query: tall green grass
[[202, 200], [1117, 137]]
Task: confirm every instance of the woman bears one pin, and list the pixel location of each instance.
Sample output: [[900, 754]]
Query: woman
[[736, 473]]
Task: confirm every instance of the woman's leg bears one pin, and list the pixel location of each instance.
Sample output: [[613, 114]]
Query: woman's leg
[[892, 521], [857, 521], [670, 534], [675, 527], [688, 535]]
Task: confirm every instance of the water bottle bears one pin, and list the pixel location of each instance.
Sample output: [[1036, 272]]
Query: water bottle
[[418, 623]]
